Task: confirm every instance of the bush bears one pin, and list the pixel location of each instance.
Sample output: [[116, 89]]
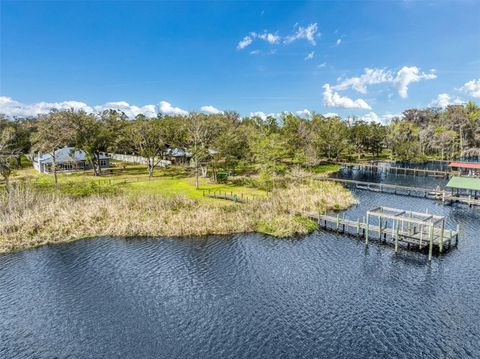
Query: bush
[[222, 177]]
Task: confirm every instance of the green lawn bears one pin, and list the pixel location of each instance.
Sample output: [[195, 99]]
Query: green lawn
[[326, 168], [132, 178]]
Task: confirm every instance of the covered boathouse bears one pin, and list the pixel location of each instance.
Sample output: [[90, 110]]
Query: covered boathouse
[[470, 169], [465, 185]]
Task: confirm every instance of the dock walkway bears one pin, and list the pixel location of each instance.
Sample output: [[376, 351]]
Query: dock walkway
[[430, 193], [415, 230], [396, 170], [415, 235]]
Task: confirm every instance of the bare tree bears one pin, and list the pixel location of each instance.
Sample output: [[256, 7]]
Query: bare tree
[[200, 134], [8, 154], [53, 132], [147, 137]]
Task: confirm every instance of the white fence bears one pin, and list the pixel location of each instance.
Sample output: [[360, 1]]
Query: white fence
[[137, 159]]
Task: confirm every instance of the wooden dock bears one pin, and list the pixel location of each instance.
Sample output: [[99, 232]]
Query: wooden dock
[[430, 193], [414, 234], [413, 229], [377, 168], [385, 188]]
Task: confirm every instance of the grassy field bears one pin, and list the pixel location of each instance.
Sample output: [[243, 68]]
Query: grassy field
[[130, 178], [125, 202], [133, 178]]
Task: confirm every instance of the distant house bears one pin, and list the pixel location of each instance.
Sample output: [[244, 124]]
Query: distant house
[[177, 155], [67, 159]]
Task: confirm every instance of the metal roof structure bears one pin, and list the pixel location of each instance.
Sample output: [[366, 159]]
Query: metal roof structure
[[66, 154], [466, 183], [406, 216], [469, 165]]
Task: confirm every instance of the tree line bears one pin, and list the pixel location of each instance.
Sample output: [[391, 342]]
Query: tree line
[[217, 143]]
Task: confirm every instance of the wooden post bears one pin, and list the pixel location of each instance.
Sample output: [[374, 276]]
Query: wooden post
[[458, 233], [358, 227], [421, 235], [441, 236], [395, 234], [367, 227], [338, 221], [430, 248]]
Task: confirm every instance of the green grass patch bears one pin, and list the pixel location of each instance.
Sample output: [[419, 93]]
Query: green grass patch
[[133, 178], [326, 168]]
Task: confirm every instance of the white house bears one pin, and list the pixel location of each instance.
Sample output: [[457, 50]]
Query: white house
[[67, 159]]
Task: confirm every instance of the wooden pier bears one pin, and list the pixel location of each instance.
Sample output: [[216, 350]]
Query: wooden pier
[[385, 188], [439, 194], [390, 225], [396, 170], [413, 229]]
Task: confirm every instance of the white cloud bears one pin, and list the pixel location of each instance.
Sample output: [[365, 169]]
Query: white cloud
[[373, 117], [304, 113], [306, 33], [330, 114], [407, 75], [387, 117], [443, 100], [129, 110], [10, 107], [333, 99], [322, 65], [210, 109], [372, 76], [339, 41], [269, 37], [370, 117], [369, 77], [246, 41], [310, 56], [167, 109], [472, 88], [264, 115], [255, 52]]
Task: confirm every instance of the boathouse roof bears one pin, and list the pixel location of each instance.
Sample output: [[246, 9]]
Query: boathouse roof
[[472, 184], [465, 165], [406, 216]]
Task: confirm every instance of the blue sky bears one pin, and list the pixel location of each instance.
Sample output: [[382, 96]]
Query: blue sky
[[365, 58]]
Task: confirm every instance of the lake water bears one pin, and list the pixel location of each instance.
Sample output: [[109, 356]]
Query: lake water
[[247, 296]]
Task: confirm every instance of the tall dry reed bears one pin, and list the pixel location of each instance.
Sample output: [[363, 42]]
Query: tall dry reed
[[29, 218]]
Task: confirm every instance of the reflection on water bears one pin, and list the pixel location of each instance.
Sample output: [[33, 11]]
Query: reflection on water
[[246, 296]]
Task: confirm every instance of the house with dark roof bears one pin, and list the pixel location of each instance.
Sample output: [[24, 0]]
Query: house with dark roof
[[177, 155], [67, 159]]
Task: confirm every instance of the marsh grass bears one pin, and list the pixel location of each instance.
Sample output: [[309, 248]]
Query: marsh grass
[[31, 217]]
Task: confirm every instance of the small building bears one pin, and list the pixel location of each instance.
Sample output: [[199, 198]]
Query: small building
[[466, 168], [67, 159], [465, 185], [177, 155]]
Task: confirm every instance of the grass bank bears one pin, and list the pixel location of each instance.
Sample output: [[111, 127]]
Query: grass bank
[[30, 217]]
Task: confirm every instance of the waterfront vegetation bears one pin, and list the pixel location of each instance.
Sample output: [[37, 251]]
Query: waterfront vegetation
[[271, 161], [32, 217]]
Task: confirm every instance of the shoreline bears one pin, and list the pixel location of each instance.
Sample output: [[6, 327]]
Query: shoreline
[[32, 219]]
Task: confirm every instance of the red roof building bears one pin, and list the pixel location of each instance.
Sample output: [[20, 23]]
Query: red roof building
[[473, 166]]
